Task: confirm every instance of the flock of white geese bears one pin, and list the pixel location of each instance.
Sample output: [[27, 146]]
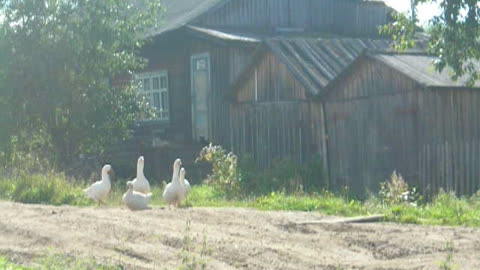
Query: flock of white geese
[[138, 194]]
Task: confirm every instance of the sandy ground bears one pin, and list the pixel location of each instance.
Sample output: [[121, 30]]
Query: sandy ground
[[236, 239]]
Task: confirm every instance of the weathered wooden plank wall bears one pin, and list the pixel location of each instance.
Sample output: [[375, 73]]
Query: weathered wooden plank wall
[[225, 63], [372, 127], [273, 130], [449, 151], [374, 121], [379, 120], [273, 119], [349, 17]]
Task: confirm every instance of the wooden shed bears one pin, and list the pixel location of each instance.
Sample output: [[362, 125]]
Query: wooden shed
[[365, 114], [275, 109], [398, 113]]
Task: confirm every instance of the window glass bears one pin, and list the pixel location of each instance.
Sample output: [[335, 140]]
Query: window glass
[[156, 100], [163, 82], [156, 83], [154, 87]]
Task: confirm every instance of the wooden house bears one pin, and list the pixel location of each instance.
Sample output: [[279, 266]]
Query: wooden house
[[366, 116], [202, 46]]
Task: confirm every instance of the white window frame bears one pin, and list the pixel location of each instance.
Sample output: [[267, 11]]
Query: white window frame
[[151, 91]]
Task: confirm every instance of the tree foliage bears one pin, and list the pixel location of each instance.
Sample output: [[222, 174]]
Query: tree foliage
[[454, 36], [56, 59]]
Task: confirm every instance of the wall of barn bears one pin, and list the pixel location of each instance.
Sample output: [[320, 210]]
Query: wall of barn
[[349, 17], [449, 141], [379, 120], [372, 126], [273, 118]]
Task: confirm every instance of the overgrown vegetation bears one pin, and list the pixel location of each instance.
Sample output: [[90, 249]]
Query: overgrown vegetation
[[225, 175], [50, 188]]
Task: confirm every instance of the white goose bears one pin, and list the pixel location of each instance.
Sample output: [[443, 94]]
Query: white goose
[[136, 200], [99, 190], [184, 181], [174, 192], [140, 183]]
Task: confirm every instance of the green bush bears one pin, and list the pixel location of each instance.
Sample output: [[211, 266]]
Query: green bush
[[51, 188], [225, 175]]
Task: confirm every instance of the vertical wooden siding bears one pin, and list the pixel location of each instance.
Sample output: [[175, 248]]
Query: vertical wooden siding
[[273, 130], [279, 123], [371, 116], [449, 151], [273, 82], [339, 16], [379, 120]]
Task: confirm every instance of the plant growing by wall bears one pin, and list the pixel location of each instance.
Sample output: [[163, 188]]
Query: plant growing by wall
[[225, 175], [397, 191]]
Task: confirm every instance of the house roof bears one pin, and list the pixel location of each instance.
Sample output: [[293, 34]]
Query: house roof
[[317, 62], [421, 69], [178, 13], [225, 34]]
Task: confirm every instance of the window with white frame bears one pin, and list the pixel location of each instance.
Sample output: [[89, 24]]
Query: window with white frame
[[154, 86]]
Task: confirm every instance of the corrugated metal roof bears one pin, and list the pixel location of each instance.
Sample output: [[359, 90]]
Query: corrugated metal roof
[[421, 69], [180, 12], [317, 62]]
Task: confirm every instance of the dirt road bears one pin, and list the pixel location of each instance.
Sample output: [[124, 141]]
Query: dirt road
[[236, 239]]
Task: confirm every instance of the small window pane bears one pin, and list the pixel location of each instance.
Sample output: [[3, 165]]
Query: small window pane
[[146, 84], [201, 64], [156, 83], [156, 100], [164, 101], [163, 82]]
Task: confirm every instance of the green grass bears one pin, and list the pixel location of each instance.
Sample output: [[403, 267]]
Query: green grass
[[445, 209], [7, 265], [51, 188], [60, 262]]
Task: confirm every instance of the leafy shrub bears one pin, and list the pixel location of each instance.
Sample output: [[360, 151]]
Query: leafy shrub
[[51, 188], [397, 191], [225, 176]]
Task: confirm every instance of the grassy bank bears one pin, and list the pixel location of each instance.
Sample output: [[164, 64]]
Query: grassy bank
[[445, 209]]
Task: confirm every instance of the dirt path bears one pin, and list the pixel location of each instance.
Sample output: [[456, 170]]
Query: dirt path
[[236, 238]]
